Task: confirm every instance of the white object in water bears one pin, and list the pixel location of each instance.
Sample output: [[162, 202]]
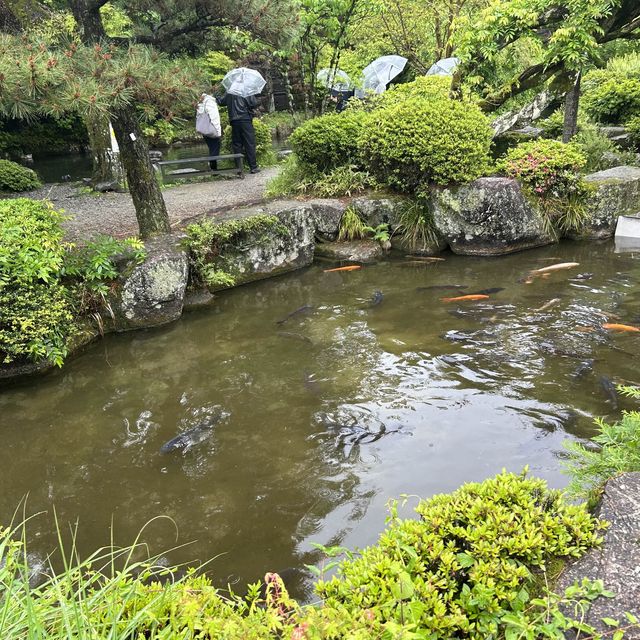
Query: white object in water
[[628, 233]]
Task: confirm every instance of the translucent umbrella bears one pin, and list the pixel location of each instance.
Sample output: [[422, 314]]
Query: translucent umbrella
[[444, 67], [381, 72], [338, 80], [243, 82]]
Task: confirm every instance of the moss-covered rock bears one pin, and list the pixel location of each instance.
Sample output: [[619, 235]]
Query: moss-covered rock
[[488, 217], [617, 194]]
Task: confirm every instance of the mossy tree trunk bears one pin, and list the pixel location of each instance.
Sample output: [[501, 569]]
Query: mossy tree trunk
[[571, 104], [149, 204], [106, 167]]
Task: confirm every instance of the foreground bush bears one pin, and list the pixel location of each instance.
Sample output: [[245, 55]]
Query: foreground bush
[[15, 177], [329, 141], [419, 141], [466, 569], [468, 561]]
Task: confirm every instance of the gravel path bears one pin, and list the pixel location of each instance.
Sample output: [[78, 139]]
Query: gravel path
[[113, 213]]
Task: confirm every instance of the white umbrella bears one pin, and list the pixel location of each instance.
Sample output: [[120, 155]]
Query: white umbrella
[[444, 67], [381, 72], [243, 82], [337, 80]]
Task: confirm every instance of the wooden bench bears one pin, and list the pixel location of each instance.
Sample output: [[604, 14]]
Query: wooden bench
[[187, 172]]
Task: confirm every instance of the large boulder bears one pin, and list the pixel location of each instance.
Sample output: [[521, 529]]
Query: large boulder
[[152, 293], [261, 255], [377, 210], [617, 562], [327, 215], [617, 193], [488, 217]]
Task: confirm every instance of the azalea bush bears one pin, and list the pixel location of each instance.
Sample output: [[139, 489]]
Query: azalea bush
[[546, 167]]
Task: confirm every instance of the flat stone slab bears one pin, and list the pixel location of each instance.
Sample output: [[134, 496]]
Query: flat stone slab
[[356, 251], [617, 562]]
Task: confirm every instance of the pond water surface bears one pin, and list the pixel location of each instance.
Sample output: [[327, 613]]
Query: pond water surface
[[324, 416]]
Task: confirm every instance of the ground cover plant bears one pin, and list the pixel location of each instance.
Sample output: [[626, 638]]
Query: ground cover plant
[[470, 566]]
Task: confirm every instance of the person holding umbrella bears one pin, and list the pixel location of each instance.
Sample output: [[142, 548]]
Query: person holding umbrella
[[242, 85]]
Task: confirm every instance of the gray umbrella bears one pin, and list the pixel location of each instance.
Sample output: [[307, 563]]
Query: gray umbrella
[[243, 82], [339, 82], [381, 72], [444, 67]]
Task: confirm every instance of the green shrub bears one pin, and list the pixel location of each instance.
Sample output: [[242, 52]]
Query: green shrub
[[329, 141], [15, 177], [547, 167], [594, 145], [264, 147], [553, 126], [633, 127], [35, 323], [467, 563], [31, 248], [426, 140], [416, 225], [293, 179], [611, 98]]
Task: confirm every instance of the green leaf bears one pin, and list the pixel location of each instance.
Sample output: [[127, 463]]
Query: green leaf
[[610, 622], [403, 587], [466, 560]]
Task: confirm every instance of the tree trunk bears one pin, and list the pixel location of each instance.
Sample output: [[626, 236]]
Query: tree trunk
[[87, 15], [104, 163], [571, 104], [151, 210]]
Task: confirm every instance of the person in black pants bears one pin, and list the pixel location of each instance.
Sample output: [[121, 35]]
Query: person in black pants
[[243, 136]]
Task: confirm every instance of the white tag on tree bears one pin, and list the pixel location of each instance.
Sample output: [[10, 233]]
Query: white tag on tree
[[132, 136]]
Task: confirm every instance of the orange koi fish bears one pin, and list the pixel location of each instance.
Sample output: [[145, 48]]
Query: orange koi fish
[[613, 326], [473, 296], [351, 267]]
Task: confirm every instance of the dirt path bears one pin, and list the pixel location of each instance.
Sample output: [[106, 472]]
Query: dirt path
[[113, 213]]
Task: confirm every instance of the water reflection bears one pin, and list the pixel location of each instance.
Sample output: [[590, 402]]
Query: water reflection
[[411, 395]]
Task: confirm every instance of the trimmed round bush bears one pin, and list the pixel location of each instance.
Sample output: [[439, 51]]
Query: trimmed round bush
[[15, 177], [611, 99], [548, 167], [426, 140], [329, 141]]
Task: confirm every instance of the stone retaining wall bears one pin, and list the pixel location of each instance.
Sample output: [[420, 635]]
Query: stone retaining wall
[[490, 216]]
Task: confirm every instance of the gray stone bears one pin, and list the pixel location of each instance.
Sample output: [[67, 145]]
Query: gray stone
[[617, 193], [400, 243], [612, 132], [197, 299], [263, 255], [103, 187], [356, 251], [488, 217], [617, 562], [536, 109], [380, 210], [153, 293], [624, 141], [327, 215]]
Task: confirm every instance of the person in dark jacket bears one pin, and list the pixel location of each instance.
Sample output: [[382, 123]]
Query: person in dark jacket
[[243, 136]]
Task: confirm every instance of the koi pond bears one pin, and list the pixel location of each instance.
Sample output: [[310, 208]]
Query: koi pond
[[308, 422]]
